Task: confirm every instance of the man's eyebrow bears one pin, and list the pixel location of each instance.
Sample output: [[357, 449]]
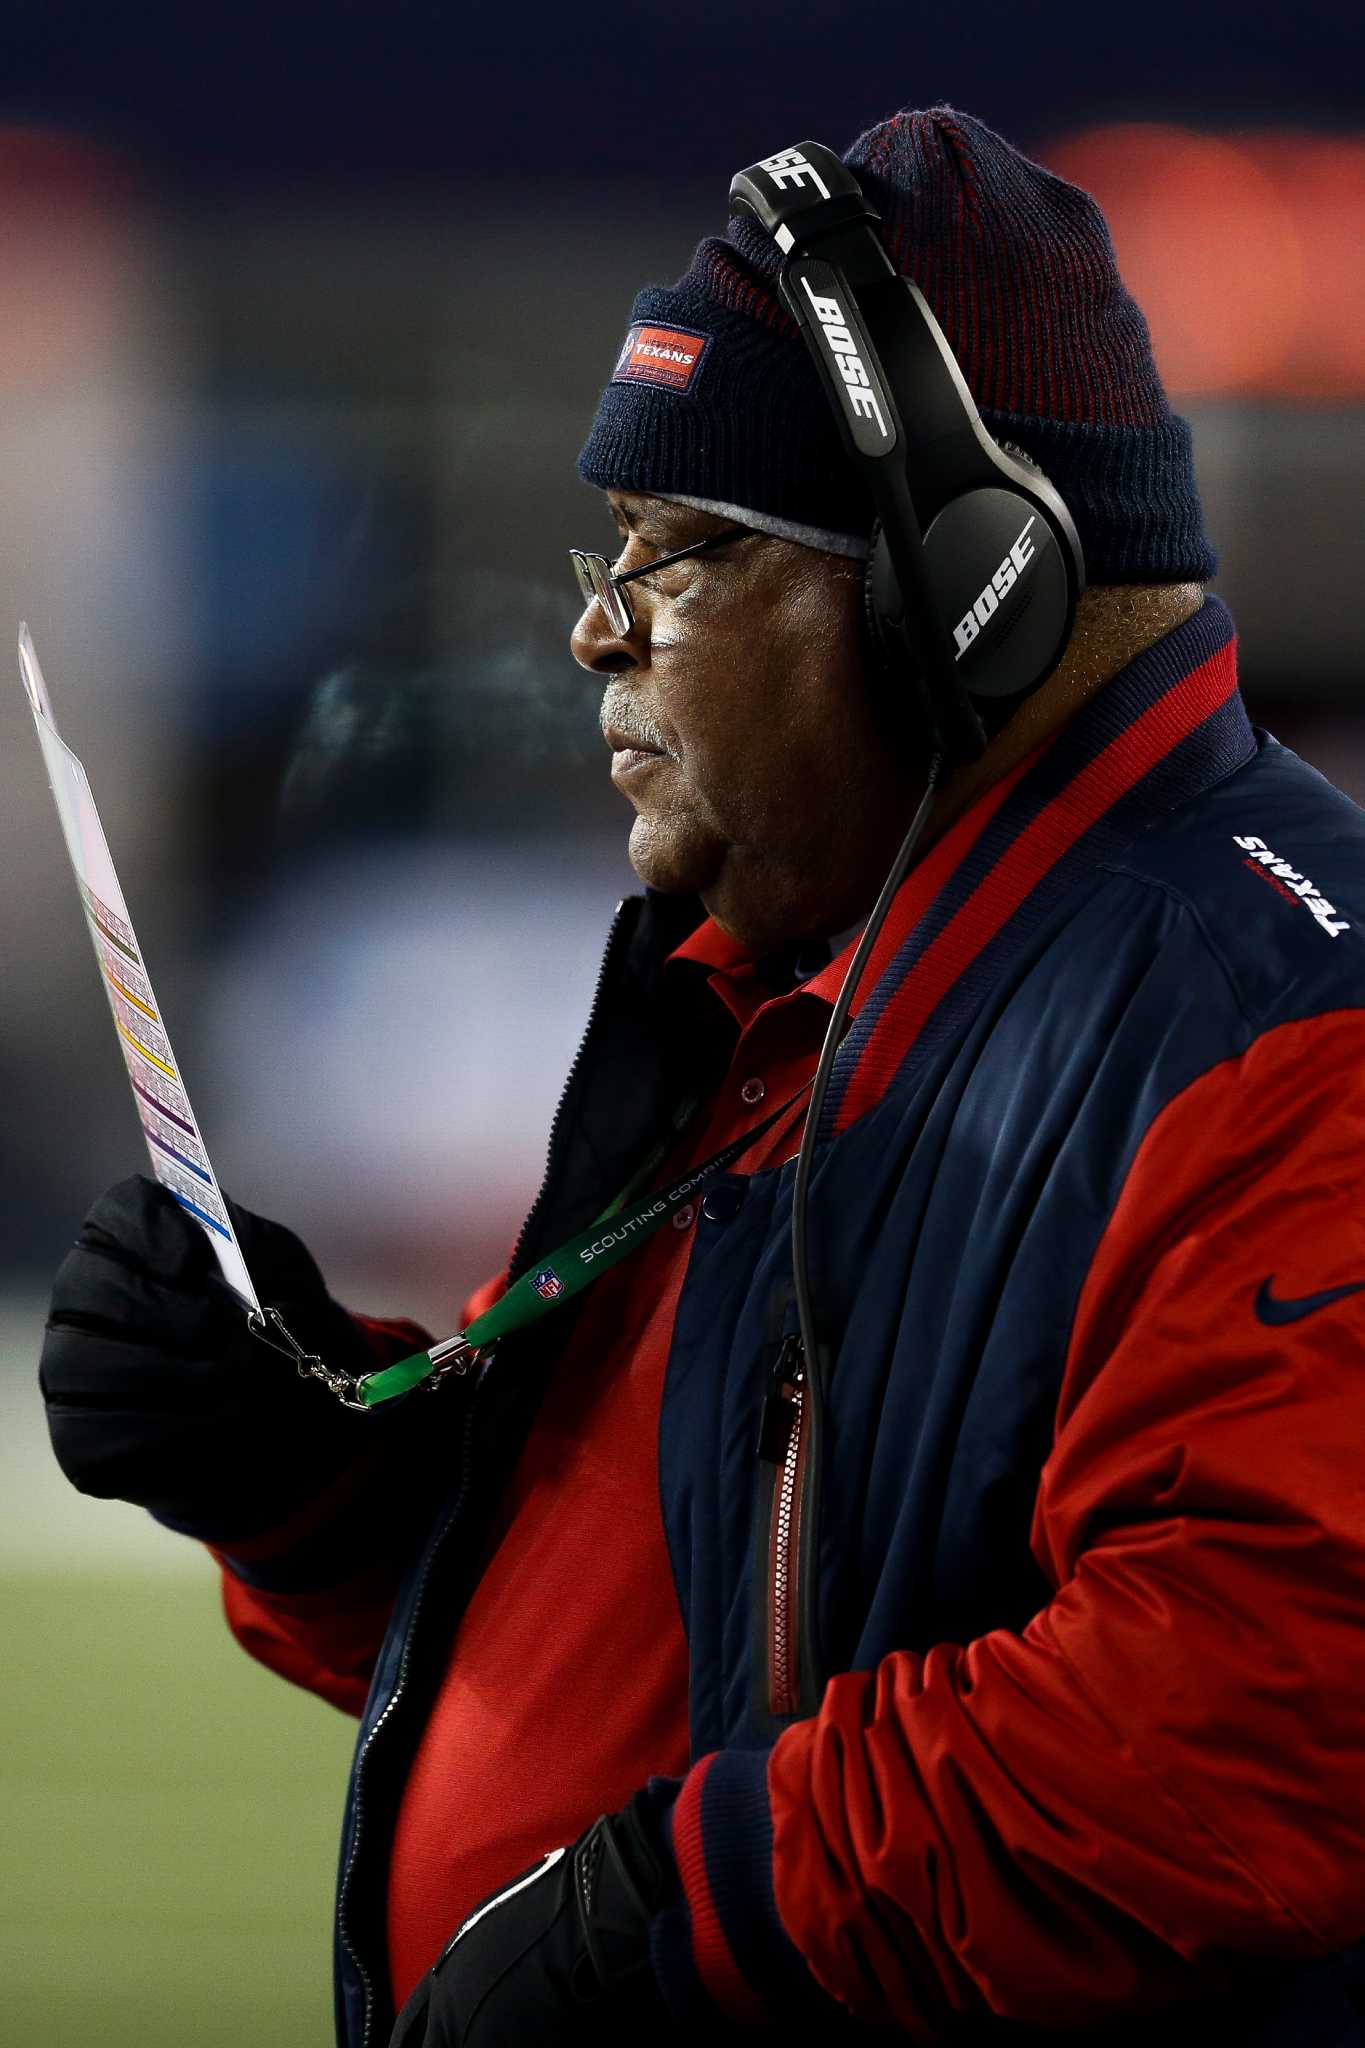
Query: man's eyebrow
[[641, 512]]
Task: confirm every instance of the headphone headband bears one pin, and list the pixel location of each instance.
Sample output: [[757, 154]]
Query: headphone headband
[[974, 578]]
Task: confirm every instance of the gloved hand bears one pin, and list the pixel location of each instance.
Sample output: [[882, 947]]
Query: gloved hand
[[560, 1955], [156, 1390]]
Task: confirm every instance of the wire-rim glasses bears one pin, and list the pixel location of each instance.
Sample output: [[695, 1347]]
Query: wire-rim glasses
[[597, 579]]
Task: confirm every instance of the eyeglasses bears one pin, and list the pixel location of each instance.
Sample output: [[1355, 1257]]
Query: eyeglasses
[[597, 579]]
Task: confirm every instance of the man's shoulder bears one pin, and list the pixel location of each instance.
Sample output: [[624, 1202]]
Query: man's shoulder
[[1269, 865]]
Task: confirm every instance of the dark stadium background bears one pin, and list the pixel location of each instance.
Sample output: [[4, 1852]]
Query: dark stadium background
[[302, 316]]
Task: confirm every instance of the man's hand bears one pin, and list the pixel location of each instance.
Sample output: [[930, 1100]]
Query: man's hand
[[559, 1955], [156, 1390]]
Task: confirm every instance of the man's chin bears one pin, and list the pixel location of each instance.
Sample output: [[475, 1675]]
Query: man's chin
[[676, 863]]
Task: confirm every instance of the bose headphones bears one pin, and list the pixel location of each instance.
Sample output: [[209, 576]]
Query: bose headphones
[[971, 588], [976, 567]]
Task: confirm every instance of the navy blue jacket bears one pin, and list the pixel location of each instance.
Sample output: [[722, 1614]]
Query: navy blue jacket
[[1058, 1713]]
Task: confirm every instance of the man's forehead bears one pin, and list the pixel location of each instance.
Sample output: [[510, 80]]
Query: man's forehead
[[690, 519], [685, 518], [641, 508]]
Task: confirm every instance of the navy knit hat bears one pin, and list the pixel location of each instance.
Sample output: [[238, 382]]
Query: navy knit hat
[[713, 396]]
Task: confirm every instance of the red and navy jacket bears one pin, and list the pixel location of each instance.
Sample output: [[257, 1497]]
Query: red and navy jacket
[[1088, 1248]]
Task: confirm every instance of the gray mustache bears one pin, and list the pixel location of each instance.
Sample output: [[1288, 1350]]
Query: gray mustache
[[629, 718]]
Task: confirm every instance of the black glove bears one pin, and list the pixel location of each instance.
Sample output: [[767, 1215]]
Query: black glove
[[559, 1955], [156, 1390]]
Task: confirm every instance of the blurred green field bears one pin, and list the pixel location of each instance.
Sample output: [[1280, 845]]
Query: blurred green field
[[168, 1822]]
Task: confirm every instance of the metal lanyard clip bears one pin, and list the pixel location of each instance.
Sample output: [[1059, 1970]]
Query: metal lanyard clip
[[269, 1325]]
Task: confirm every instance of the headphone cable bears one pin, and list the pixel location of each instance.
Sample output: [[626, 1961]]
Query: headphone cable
[[805, 1160], [833, 1038]]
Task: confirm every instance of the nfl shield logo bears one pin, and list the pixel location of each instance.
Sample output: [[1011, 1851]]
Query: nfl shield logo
[[548, 1283]]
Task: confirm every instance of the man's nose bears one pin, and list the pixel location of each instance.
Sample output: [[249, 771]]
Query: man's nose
[[596, 645]]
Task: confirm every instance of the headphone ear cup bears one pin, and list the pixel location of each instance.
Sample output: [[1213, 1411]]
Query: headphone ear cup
[[994, 563]]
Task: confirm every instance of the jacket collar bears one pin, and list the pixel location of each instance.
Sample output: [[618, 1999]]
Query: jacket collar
[[1168, 726]]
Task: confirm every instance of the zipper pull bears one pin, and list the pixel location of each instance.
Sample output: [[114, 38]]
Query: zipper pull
[[775, 1422]]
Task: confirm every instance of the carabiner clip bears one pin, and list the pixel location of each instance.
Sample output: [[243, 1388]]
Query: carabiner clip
[[269, 1325]]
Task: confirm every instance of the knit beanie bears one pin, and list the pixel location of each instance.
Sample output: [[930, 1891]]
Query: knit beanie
[[714, 398]]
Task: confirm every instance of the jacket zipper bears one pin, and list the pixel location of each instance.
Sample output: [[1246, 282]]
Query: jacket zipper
[[533, 1216], [782, 1442], [365, 1979], [534, 1213]]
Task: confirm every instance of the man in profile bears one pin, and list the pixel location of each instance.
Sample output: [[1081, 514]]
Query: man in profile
[[1086, 1734]]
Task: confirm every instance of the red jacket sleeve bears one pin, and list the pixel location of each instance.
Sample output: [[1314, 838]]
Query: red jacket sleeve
[[1167, 1767]]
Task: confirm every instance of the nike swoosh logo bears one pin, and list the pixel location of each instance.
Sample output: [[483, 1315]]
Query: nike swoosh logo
[[1270, 1309]]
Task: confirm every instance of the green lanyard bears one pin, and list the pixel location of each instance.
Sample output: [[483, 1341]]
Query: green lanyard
[[620, 1230]]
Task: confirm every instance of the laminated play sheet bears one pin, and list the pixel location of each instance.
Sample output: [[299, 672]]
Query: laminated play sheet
[[178, 1154]]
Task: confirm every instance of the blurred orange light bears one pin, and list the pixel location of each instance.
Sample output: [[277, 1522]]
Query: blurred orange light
[[66, 255], [1323, 182], [1207, 244]]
